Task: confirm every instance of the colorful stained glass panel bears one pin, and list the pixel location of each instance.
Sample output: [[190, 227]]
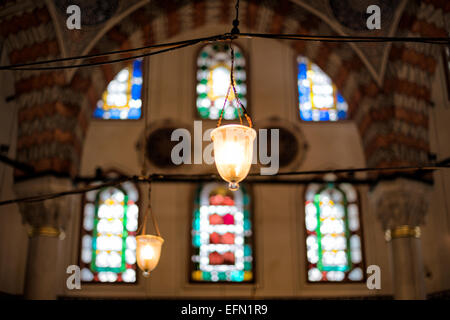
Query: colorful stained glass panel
[[108, 243], [213, 80], [333, 235], [318, 97], [221, 236], [122, 98]]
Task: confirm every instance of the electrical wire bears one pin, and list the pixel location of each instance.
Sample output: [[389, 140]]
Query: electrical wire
[[222, 37], [48, 196], [337, 38], [106, 62], [111, 53], [195, 178]]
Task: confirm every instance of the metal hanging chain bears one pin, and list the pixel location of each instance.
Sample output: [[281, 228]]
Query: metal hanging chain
[[143, 226], [144, 162], [244, 110], [144, 168], [236, 97], [235, 29], [240, 117], [155, 223], [224, 105]]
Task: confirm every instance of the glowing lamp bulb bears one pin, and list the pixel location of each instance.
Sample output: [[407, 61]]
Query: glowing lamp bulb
[[233, 152], [148, 251]]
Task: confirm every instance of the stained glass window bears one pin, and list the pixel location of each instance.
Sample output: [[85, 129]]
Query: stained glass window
[[213, 79], [221, 236], [122, 97], [108, 239], [333, 234], [318, 98]]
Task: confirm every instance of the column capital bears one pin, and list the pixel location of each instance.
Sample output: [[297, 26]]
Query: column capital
[[401, 204], [48, 217]]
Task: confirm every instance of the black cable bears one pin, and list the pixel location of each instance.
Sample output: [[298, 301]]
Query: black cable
[[49, 196], [235, 29], [338, 38], [173, 178], [354, 170], [223, 37], [98, 55], [109, 61]]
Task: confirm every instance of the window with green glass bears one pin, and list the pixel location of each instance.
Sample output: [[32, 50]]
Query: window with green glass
[[221, 236], [108, 239], [213, 80], [333, 233]]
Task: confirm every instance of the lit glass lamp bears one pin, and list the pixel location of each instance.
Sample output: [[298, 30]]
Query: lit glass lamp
[[233, 152], [148, 251]]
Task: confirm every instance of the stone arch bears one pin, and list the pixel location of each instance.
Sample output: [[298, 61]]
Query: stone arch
[[393, 118]]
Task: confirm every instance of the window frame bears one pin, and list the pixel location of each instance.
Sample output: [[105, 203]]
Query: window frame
[[360, 232], [195, 83]]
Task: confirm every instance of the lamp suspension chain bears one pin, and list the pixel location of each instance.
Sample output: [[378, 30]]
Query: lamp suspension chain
[[144, 173], [240, 105], [234, 31], [144, 162], [155, 223]]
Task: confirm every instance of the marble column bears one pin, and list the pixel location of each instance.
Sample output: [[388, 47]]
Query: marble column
[[45, 221], [401, 206]]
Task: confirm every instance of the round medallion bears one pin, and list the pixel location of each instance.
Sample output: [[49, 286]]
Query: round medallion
[[159, 147], [288, 146]]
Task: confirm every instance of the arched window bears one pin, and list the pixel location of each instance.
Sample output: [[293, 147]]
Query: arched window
[[318, 97], [122, 98], [213, 79], [333, 234], [108, 243], [221, 236]]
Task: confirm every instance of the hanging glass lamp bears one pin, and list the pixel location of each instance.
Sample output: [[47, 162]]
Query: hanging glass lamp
[[233, 152]]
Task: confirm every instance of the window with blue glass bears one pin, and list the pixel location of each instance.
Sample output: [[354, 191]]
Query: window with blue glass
[[122, 98], [318, 97]]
